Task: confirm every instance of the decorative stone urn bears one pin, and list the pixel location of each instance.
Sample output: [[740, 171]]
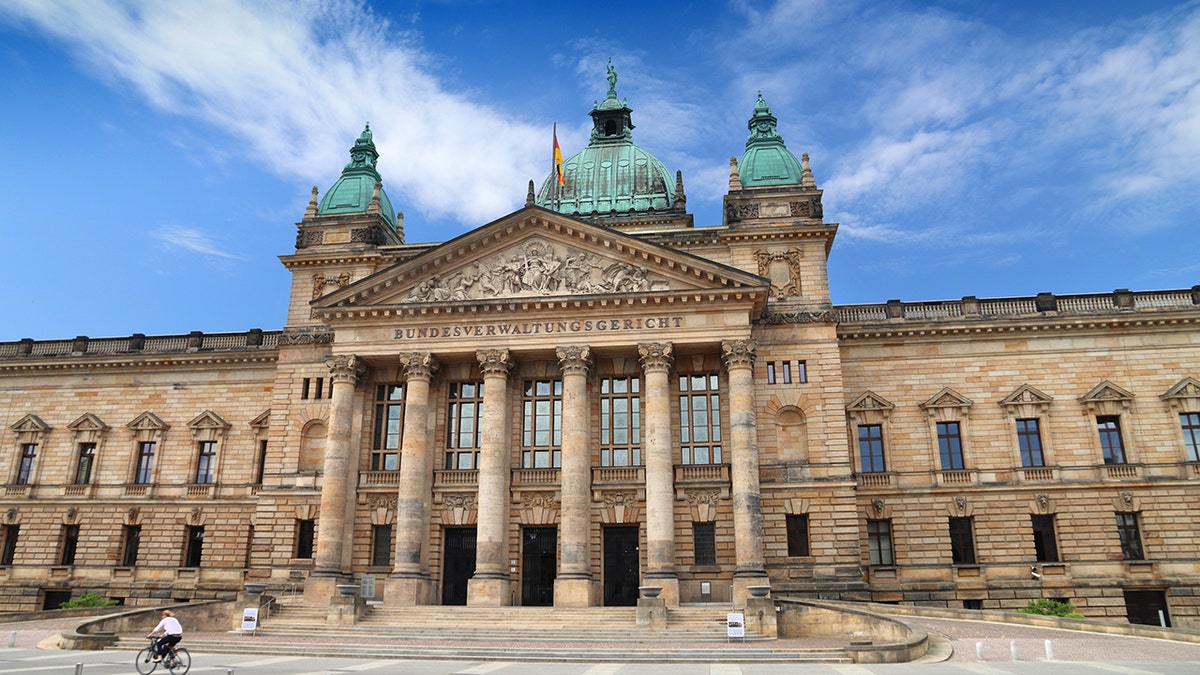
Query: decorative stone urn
[[347, 590], [758, 591], [254, 589], [650, 591]]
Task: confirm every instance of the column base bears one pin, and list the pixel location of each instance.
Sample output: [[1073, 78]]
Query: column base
[[575, 592], [670, 588], [320, 589], [488, 593], [407, 591]]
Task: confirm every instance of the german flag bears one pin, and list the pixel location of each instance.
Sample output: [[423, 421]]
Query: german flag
[[558, 161]]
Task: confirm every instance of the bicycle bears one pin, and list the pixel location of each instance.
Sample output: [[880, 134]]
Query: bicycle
[[177, 660]]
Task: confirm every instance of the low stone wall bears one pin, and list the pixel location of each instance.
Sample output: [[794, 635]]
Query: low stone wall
[[872, 638], [99, 633]]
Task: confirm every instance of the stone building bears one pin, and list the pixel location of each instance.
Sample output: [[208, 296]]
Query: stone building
[[590, 395]]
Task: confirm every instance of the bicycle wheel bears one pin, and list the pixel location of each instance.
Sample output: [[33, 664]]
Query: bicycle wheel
[[181, 663], [144, 662]]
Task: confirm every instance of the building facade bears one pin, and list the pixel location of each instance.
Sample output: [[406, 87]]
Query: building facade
[[591, 395]]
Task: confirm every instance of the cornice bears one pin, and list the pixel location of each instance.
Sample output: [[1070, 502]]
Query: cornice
[[124, 362], [909, 329]]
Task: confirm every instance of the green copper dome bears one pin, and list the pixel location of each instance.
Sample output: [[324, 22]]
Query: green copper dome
[[767, 160], [611, 176], [352, 192]]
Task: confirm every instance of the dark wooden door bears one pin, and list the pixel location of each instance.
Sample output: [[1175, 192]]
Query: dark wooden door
[[458, 564], [539, 558], [621, 574]]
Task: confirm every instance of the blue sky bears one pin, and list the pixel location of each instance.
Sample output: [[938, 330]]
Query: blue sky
[[157, 154]]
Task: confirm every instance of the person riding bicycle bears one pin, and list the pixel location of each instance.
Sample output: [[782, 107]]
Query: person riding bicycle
[[172, 633]]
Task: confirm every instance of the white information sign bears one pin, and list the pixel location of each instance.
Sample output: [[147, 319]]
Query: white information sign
[[250, 618], [737, 625]]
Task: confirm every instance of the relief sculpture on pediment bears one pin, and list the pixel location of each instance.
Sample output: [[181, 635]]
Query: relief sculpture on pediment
[[536, 268]]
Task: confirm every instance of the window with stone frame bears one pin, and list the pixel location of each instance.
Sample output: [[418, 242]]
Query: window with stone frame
[[704, 544], [787, 372], [131, 542], [1029, 440], [700, 419], [870, 448], [69, 545], [1130, 535], [8, 552], [1190, 424], [1111, 444], [85, 459], [950, 445], [464, 416], [879, 543], [25, 467], [193, 549], [1045, 542], [306, 529], [206, 462], [389, 427], [620, 421], [381, 545], [797, 535], [541, 424], [260, 465], [962, 541], [144, 472]]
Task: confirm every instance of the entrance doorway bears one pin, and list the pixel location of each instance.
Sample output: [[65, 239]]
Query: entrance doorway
[[1144, 606], [539, 555], [458, 564], [621, 573]]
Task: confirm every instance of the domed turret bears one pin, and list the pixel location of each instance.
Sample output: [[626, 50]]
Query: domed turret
[[612, 177], [353, 190], [767, 161]]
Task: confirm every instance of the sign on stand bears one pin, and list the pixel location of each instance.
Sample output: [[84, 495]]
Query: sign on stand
[[737, 626], [250, 619]]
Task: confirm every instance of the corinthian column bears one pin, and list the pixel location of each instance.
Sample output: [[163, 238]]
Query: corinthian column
[[334, 533], [573, 584], [409, 583], [747, 500], [489, 585], [657, 358]]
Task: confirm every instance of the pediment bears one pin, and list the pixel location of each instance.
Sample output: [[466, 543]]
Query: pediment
[[1184, 396], [263, 421], [147, 420], [88, 422], [208, 420], [947, 398], [1026, 394], [870, 402], [534, 254], [30, 424], [1106, 391]]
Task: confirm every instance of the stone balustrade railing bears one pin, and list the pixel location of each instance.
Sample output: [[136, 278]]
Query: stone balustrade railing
[[195, 341]]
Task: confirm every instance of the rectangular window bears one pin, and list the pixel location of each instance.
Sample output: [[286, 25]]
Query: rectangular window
[[25, 470], [962, 542], [193, 552], [206, 462], [541, 430], [305, 529], [1045, 543], [260, 469], [704, 539], [463, 421], [879, 541], [389, 427], [1131, 536], [1029, 438], [700, 419], [312, 387], [786, 372], [870, 448], [70, 543], [620, 421], [145, 463], [950, 445], [84, 463], [131, 541], [381, 546], [1190, 422], [1109, 427], [797, 535], [10, 544]]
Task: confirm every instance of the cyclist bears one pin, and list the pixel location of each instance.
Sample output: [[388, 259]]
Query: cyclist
[[172, 633]]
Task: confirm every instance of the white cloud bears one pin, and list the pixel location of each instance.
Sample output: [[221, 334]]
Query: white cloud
[[191, 239]]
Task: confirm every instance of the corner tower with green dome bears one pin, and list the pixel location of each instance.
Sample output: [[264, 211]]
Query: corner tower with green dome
[[613, 182]]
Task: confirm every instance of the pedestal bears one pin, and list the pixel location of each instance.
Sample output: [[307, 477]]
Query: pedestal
[[742, 586], [760, 617], [407, 591], [652, 612], [573, 592], [488, 593], [319, 589], [344, 610], [670, 588]]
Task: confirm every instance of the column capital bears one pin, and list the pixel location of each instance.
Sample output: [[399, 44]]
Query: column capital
[[574, 359], [656, 356], [495, 361], [346, 368], [419, 365], [738, 353]]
